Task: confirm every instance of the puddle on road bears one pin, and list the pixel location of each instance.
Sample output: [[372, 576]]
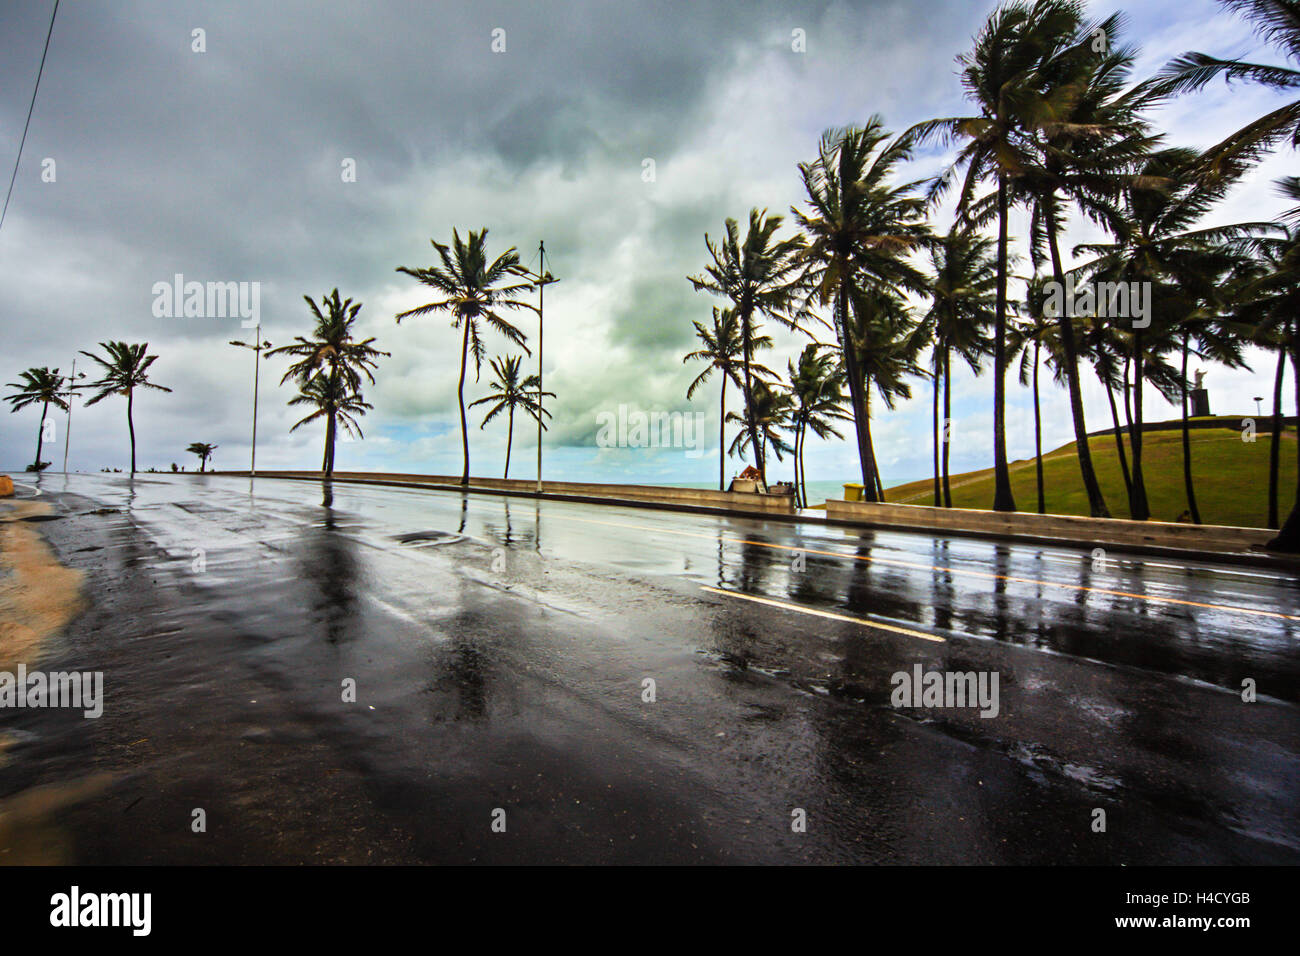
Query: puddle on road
[[38, 595], [28, 834], [430, 537]]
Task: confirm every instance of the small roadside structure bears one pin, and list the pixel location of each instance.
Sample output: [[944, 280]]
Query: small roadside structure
[[749, 481]]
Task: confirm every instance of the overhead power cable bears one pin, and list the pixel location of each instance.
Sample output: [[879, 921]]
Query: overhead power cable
[[31, 107]]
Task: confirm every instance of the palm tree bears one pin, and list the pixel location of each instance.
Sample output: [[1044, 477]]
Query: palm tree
[[1004, 76], [334, 352], [723, 350], [961, 290], [860, 228], [38, 385], [335, 399], [887, 343], [474, 293], [204, 451], [1279, 344], [1157, 245], [815, 386], [124, 369], [511, 394], [1271, 300], [1086, 134], [1278, 22], [770, 414], [759, 278]]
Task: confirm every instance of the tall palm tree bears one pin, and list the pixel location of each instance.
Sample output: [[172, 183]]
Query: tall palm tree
[[1278, 22], [1086, 135], [1272, 302], [1158, 245], [723, 350], [818, 402], [511, 393], [961, 289], [1269, 300], [887, 343], [759, 277], [38, 386], [1004, 76], [475, 291], [124, 368], [334, 398], [861, 227], [1279, 343], [204, 451], [333, 351]]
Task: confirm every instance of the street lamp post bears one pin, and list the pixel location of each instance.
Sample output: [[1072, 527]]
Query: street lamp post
[[67, 428], [541, 278], [256, 348]]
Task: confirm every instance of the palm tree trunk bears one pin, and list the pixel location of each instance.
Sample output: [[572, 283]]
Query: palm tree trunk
[[857, 392], [947, 425], [40, 436], [1003, 500], [722, 435], [1187, 445], [871, 443], [1119, 435], [1275, 439], [803, 470], [934, 422], [510, 440], [130, 423], [1070, 356], [1138, 507], [460, 397], [1288, 538], [326, 461], [798, 484], [1038, 434], [1128, 393], [749, 399]]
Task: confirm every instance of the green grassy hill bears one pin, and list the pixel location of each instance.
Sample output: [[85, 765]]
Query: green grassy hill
[[1231, 478]]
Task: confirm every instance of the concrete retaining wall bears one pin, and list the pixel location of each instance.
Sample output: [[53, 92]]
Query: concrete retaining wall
[[1062, 528], [686, 497]]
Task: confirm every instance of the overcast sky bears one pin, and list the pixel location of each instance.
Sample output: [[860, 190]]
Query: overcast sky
[[227, 165]]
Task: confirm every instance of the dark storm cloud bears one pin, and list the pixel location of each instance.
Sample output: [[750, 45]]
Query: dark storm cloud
[[226, 166]]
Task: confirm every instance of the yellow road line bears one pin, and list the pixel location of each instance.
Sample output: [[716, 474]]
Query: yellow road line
[[986, 575], [827, 614]]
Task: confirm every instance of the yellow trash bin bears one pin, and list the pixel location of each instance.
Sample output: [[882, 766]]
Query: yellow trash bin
[[853, 492]]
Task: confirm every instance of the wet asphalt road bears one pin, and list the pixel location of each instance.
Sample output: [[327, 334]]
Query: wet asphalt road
[[499, 649]]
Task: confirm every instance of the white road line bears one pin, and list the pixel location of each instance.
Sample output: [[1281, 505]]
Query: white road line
[[827, 614]]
